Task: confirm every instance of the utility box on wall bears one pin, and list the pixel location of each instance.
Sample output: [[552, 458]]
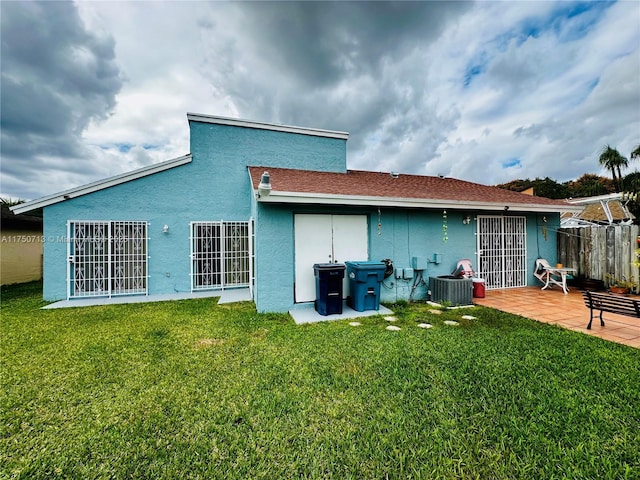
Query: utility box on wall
[[419, 263]]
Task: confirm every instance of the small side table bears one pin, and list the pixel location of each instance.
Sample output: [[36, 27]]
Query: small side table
[[552, 275]]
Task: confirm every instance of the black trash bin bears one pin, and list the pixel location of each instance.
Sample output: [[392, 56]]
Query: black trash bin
[[328, 287]]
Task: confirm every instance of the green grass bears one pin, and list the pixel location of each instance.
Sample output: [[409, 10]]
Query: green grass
[[192, 389]]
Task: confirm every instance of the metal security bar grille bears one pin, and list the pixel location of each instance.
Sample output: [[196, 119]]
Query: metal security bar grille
[[502, 254], [107, 258], [221, 255]]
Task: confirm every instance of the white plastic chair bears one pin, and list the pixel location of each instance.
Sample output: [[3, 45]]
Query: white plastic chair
[[551, 275], [464, 269], [542, 271]]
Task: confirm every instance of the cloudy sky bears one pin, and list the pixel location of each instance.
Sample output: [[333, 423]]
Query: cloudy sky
[[486, 91]]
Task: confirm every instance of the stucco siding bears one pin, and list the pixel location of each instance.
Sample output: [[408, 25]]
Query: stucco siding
[[235, 148], [402, 234], [173, 198], [214, 186], [274, 263], [542, 241]]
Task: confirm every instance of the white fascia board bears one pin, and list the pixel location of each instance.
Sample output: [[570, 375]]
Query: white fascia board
[[596, 199], [100, 185], [372, 201], [236, 122]]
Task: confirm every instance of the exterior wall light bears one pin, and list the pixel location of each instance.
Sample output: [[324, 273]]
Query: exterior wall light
[[264, 188], [165, 229], [466, 220]]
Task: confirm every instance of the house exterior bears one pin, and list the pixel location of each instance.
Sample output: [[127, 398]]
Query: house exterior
[[256, 205], [20, 247]]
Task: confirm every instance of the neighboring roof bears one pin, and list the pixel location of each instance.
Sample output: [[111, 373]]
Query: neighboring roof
[[101, 184], [24, 222], [568, 220], [236, 122], [357, 187], [607, 209], [611, 212], [595, 199]]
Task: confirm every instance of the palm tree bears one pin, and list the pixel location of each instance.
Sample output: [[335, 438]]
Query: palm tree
[[612, 160], [10, 202], [636, 153]]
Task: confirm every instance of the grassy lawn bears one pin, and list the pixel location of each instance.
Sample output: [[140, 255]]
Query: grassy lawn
[[191, 389]]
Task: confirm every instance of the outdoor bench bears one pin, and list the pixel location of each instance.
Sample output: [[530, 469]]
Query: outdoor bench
[[606, 302]]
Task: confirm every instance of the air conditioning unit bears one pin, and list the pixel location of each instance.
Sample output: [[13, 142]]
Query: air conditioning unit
[[450, 289]]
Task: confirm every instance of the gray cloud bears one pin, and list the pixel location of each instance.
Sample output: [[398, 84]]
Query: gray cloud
[[354, 66], [483, 91], [322, 42], [56, 78]]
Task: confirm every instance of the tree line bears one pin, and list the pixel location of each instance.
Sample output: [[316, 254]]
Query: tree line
[[589, 184]]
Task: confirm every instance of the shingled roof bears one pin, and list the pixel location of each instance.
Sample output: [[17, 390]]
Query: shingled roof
[[596, 213], [358, 187]]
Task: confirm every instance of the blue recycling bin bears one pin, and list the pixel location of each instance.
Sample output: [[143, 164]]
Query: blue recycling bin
[[328, 287], [364, 283]]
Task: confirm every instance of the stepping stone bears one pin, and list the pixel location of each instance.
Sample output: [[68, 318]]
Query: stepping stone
[[425, 325], [390, 319], [469, 317], [451, 322], [393, 328], [355, 324], [436, 312]]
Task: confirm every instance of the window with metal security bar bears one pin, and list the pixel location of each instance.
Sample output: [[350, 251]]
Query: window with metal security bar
[[502, 253], [221, 255], [107, 258]]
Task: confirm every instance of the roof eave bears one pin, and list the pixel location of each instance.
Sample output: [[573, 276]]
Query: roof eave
[[100, 185], [362, 200], [237, 122]]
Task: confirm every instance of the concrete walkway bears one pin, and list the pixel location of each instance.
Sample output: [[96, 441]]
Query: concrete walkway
[[226, 296], [306, 313], [568, 311]]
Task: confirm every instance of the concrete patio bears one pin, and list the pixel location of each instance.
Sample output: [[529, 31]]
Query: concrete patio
[[568, 311]]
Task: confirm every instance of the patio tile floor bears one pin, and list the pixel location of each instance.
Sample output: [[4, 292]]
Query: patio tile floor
[[567, 311]]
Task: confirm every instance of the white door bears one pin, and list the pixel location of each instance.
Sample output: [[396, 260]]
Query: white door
[[326, 239], [313, 244]]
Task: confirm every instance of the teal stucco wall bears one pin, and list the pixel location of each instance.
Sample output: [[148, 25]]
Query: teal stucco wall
[[398, 234], [214, 186]]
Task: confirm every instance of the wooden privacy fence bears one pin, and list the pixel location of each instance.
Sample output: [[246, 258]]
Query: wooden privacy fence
[[597, 251]]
